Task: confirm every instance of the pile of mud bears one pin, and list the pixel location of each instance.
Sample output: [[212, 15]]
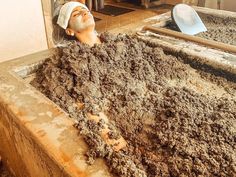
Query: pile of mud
[[218, 28], [177, 120]]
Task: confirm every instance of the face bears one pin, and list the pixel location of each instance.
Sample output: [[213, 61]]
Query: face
[[81, 19]]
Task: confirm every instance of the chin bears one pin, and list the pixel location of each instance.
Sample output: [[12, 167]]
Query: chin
[[91, 22]]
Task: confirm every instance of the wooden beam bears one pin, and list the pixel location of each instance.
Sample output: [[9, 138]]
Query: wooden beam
[[47, 13], [199, 40]]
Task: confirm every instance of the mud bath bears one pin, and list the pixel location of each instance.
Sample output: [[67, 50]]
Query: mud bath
[[218, 28], [177, 120]]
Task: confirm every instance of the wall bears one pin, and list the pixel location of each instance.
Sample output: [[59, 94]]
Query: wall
[[211, 4], [22, 29], [229, 5]]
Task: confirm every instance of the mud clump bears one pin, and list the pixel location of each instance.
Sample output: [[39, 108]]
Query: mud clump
[[219, 29], [176, 120]]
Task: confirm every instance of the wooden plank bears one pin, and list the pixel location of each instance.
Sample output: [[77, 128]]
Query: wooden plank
[[47, 12]]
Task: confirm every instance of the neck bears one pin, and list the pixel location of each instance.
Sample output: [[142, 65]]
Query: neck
[[88, 37]]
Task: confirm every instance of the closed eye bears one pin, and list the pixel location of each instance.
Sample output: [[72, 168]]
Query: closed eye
[[76, 14]]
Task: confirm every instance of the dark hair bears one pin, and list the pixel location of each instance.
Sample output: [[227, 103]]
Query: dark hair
[[58, 34]]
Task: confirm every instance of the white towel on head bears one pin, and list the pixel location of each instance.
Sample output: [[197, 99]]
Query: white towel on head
[[65, 13]]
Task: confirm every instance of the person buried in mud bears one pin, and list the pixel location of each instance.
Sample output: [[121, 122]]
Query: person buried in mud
[[77, 21]]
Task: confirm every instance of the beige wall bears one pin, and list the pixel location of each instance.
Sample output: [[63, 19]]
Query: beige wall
[[211, 4], [229, 5], [22, 28]]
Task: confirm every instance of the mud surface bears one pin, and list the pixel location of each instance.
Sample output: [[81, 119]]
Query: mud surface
[[177, 120], [218, 29]]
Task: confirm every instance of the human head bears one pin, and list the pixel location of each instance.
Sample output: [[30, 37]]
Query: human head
[[75, 17]]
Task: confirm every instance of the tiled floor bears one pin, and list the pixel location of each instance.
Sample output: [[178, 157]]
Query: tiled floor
[[128, 20]]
